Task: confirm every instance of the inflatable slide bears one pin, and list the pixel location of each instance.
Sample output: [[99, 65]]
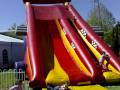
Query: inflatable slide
[[62, 47]]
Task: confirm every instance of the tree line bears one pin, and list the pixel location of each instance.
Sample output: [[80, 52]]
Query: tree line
[[101, 16]]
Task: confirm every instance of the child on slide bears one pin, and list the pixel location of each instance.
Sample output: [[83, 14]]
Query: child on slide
[[101, 61]]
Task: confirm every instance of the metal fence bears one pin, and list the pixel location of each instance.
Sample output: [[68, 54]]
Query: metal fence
[[8, 78]]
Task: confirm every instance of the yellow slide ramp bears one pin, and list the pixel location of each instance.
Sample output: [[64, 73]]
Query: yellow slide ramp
[[89, 87], [111, 77], [93, 50], [57, 75]]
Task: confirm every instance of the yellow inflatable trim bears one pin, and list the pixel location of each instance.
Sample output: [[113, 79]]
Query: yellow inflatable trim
[[29, 63], [94, 51], [57, 75], [89, 87], [71, 50], [111, 77]]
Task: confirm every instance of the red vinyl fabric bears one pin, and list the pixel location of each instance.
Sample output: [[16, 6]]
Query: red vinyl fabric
[[51, 13], [46, 1]]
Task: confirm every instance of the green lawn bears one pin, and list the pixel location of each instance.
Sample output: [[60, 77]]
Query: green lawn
[[113, 87]]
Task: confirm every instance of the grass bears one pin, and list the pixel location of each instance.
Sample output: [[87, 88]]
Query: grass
[[113, 87], [8, 79]]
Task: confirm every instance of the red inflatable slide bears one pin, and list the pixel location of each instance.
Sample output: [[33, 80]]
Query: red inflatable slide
[[60, 47]]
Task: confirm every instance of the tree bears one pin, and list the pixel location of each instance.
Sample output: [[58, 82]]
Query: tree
[[13, 27], [12, 31], [101, 16], [116, 38]]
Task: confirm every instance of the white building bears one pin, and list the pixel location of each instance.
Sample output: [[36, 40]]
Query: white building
[[11, 50]]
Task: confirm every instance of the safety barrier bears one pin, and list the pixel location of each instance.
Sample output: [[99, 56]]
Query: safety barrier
[[8, 78]]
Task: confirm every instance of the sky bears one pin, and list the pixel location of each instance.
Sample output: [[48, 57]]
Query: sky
[[13, 11]]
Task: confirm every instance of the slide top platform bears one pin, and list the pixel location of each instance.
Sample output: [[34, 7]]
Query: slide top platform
[[46, 1]]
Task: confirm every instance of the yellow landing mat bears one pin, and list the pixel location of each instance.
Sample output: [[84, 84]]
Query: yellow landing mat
[[111, 77], [89, 87]]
